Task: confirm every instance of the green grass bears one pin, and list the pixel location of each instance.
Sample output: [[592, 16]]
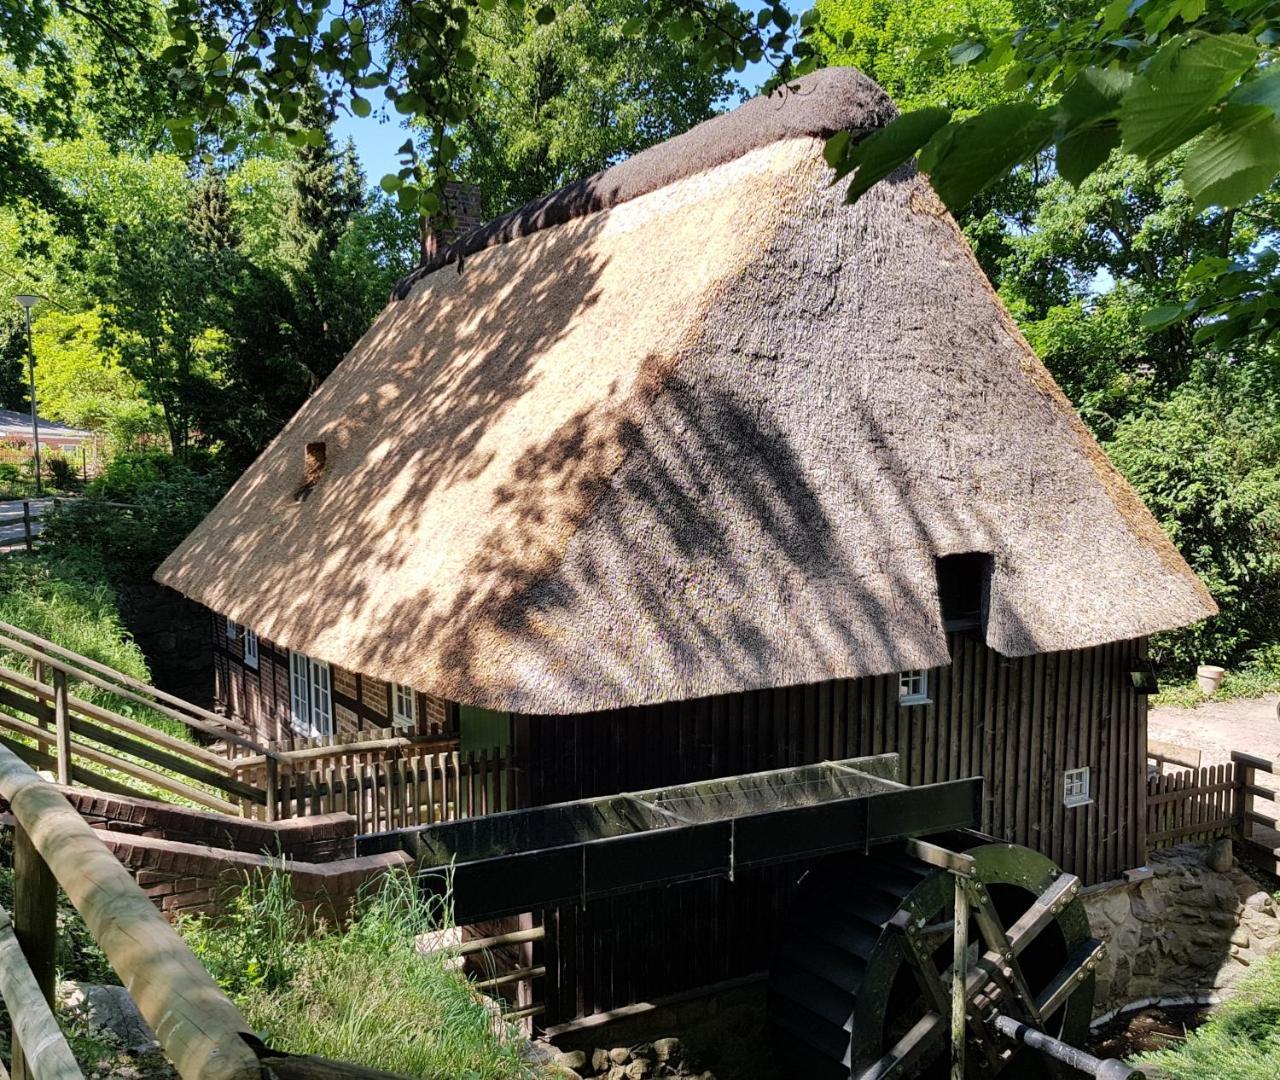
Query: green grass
[[66, 596], [361, 995], [1261, 675], [1241, 1040]]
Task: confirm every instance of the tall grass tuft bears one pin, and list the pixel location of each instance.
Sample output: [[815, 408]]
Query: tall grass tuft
[[363, 994], [1241, 1040]]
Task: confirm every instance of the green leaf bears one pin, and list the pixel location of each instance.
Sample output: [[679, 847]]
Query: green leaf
[[966, 52], [1166, 315], [184, 139], [835, 148], [876, 156], [1235, 159], [1094, 94], [1262, 90], [360, 106], [633, 27], [1171, 102], [962, 159], [390, 183], [1084, 150]]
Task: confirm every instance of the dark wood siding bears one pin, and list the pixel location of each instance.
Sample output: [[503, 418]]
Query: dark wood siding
[[1019, 722]]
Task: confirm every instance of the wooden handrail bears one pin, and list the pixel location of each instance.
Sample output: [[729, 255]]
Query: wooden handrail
[[200, 1030], [195, 718], [74, 658], [35, 1028]]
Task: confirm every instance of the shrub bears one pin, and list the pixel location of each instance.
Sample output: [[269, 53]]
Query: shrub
[[1207, 462], [364, 994]]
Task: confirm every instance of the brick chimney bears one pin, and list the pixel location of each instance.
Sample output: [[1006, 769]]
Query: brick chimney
[[463, 202]]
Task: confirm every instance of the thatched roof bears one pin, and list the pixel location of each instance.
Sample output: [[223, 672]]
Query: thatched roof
[[708, 438]]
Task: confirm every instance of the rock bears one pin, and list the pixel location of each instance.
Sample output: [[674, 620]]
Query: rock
[[1240, 937], [619, 1055], [108, 1012], [1220, 855], [639, 1068], [572, 1059], [1259, 901], [665, 1050]]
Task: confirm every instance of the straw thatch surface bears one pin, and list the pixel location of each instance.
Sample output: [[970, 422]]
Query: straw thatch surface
[[709, 439]]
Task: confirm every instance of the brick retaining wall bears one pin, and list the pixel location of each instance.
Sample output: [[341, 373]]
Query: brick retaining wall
[[189, 861]]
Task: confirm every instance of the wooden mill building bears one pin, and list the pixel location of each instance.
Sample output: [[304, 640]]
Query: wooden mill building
[[692, 469]]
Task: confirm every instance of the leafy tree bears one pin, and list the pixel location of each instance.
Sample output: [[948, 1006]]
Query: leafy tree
[[13, 363], [565, 98], [152, 284], [212, 221], [1207, 461]]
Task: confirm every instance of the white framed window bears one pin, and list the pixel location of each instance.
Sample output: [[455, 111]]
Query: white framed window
[[231, 629], [1075, 787], [913, 688], [250, 648], [310, 695], [404, 706]]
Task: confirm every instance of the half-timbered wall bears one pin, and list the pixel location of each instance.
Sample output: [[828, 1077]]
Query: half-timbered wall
[[260, 695]]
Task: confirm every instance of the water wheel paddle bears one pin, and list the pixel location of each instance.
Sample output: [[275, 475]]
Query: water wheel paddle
[[861, 983]]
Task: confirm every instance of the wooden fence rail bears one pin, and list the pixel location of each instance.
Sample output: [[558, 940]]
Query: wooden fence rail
[[1192, 804], [201, 1031], [1214, 800], [401, 792]]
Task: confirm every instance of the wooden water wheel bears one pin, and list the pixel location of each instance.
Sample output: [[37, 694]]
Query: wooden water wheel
[[863, 978]]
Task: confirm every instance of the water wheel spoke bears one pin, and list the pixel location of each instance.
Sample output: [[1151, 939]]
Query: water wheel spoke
[[1077, 969], [921, 1044], [1001, 953]]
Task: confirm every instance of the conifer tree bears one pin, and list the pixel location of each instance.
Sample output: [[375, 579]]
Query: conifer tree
[[212, 223]]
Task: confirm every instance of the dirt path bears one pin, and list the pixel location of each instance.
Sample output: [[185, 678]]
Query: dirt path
[[1218, 727]]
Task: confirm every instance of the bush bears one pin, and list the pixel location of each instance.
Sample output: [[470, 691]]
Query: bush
[[1241, 1041], [1207, 462], [363, 995], [165, 498]]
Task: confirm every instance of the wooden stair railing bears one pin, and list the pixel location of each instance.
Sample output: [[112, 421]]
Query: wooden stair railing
[[51, 728], [200, 1030]]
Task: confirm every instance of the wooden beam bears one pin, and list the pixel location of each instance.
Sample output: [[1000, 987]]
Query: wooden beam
[[1179, 755], [35, 928], [200, 1030]]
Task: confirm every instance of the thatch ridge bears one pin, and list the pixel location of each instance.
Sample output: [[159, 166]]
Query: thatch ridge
[[819, 104]]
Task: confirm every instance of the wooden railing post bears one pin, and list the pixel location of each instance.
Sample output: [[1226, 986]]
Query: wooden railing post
[[26, 522], [62, 725], [272, 786], [35, 924]]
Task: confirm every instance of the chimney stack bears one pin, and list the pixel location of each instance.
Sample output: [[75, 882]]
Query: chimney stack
[[462, 200]]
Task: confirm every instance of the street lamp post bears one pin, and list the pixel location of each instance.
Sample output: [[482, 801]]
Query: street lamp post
[[26, 301]]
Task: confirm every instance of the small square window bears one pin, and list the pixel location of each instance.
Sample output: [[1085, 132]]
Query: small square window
[[1075, 787], [913, 688], [250, 648], [231, 629]]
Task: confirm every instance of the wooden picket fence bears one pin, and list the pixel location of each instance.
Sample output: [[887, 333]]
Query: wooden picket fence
[[403, 791], [1193, 804]]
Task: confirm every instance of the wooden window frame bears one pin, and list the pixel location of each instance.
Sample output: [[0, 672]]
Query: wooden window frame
[[1077, 787], [251, 658], [310, 696], [913, 687], [402, 716], [231, 628]]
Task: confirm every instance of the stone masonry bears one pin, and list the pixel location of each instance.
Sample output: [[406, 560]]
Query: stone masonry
[[1186, 932]]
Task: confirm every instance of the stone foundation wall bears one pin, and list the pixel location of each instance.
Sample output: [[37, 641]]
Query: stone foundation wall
[[1184, 932]]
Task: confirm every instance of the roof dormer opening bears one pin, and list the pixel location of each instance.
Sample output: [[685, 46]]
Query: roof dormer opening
[[313, 464], [964, 589]]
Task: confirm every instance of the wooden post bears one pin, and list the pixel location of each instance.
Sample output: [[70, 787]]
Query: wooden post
[[959, 979], [35, 924], [272, 786], [62, 725], [26, 522]]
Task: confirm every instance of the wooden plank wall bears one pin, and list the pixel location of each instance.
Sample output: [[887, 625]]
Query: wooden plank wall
[[1019, 722]]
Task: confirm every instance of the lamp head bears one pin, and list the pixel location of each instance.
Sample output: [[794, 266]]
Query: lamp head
[[27, 301]]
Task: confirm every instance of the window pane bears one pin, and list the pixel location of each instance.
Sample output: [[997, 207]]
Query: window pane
[[299, 697]]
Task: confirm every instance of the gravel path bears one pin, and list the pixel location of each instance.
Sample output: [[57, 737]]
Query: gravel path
[[1218, 727]]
